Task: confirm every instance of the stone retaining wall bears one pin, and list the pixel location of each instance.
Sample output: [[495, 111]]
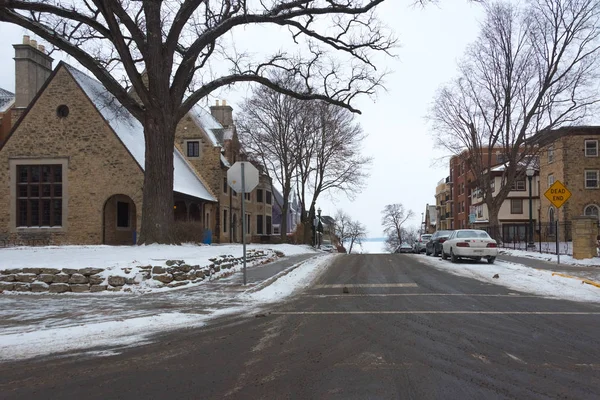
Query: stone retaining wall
[[85, 280]]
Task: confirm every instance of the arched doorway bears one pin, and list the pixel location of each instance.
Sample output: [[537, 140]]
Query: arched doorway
[[119, 220]]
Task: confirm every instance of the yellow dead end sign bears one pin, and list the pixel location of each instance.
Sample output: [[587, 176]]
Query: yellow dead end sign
[[558, 194]]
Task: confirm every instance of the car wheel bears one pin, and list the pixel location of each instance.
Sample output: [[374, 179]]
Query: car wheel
[[491, 260], [435, 252], [444, 255], [453, 257]]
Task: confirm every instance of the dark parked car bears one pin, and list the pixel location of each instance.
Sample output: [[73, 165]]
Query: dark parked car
[[434, 246]]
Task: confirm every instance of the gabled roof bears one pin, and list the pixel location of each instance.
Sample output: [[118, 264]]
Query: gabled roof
[[131, 133], [7, 99]]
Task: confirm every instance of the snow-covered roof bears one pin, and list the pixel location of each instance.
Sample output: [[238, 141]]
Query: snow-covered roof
[[207, 122], [131, 133], [7, 99]]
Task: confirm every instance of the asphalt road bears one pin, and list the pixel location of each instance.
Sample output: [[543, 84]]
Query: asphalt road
[[404, 331]]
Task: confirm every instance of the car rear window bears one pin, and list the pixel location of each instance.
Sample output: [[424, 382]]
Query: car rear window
[[472, 234], [425, 236]]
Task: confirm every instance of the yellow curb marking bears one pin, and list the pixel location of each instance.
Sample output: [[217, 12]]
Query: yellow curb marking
[[583, 280]]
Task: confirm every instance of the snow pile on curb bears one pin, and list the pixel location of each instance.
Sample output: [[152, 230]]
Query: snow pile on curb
[[292, 282], [521, 278], [564, 259]]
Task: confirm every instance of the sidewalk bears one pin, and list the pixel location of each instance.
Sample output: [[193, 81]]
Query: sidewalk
[[30, 312], [584, 272]]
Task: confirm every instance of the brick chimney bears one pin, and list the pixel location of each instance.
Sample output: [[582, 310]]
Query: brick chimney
[[32, 67], [223, 113]]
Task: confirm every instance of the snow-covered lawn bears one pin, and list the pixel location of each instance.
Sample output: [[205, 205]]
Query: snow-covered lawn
[[109, 331], [125, 256], [519, 277], [564, 259]]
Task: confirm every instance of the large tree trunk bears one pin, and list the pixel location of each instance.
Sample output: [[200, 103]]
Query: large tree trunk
[[157, 209], [494, 224]]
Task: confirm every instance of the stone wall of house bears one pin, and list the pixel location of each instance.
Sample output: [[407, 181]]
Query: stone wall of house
[[98, 164]]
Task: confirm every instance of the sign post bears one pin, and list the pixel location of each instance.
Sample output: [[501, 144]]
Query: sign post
[[243, 178], [558, 195]]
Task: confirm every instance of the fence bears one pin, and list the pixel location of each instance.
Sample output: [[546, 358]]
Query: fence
[[546, 237]]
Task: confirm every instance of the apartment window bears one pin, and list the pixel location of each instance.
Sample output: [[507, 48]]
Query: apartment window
[[591, 148], [269, 226], [516, 206], [259, 195], [550, 180], [551, 154], [225, 221], [591, 179], [551, 221], [247, 196], [500, 158], [39, 195], [193, 149], [518, 185], [592, 211], [225, 185], [462, 207], [259, 224], [123, 214], [268, 197]]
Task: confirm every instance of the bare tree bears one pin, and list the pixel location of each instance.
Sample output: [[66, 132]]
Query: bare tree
[[529, 71], [394, 216], [331, 157], [179, 44], [342, 225], [357, 232], [269, 130]]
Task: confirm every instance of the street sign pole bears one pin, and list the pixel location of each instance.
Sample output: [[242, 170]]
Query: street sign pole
[[244, 218]]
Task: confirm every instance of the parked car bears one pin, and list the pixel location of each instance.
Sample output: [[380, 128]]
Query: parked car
[[329, 248], [434, 246], [421, 242], [404, 248], [470, 243]]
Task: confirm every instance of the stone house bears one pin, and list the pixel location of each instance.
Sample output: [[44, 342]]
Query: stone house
[[74, 164], [570, 155], [210, 144]]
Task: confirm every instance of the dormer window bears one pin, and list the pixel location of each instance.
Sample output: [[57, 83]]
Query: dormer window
[[193, 148]]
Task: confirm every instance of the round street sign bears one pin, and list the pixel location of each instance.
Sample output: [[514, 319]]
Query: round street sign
[[234, 177]]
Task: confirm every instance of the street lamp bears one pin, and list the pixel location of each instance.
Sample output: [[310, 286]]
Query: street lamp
[[530, 171]]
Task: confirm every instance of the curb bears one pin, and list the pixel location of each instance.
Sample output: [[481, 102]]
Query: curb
[[272, 279], [583, 280]]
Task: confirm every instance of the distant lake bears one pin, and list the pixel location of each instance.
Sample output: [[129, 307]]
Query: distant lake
[[371, 245]]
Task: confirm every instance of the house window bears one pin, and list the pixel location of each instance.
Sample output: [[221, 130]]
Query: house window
[[39, 195], [518, 185], [123, 214], [516, 206], [493, 185], [259, 195], [551, 154], [259, 224], [247, 196], [268, 197], [193, 149], [269, 226], [276, 230], [247, 224], [591, 148], [225, 222], [225, 185], [592, 211], [550, 180], [591, 179]]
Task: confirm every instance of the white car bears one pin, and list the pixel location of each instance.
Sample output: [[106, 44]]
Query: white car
[[470, 243], [329, 248]]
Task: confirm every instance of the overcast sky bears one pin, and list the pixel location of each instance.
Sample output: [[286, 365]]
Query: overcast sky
[[404, 170]]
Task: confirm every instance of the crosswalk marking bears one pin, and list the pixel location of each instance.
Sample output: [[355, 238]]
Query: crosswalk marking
[[416, 294], [365, 285], [439, 312]]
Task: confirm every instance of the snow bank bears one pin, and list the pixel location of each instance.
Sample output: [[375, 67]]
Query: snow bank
[[564, 259], [520, 277]]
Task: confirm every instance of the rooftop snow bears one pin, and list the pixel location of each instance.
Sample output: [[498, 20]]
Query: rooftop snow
[[7, 99], [131, 133], [207, 122]]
